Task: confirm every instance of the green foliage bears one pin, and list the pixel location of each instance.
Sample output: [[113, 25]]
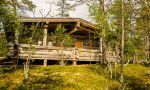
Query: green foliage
[[9, 23], [6, 26], [31, 34], [61, 38], [134, 43], [101, 19], [30, 6], [64, 7], [3, 46]]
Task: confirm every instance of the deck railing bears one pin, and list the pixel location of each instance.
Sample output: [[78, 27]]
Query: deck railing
[[57, 53]]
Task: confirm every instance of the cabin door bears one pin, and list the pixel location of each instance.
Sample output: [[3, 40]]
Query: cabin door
[[79, 44]]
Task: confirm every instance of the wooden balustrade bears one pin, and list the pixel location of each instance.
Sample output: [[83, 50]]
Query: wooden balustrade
[[55, 53]]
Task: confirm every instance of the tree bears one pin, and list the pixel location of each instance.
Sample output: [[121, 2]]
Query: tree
[[29, 33], [20, 7], [122, 41], [143, 21], [63, 8], [6, 26], [9, 15], [61, 39], [10, 12], [3, 45], [101, 17]]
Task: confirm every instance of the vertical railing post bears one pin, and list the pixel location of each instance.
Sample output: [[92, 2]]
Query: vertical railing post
[[45, 42], [76, 56]]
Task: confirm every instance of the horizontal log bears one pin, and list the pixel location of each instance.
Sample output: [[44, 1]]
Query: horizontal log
[[41, 58], [68, 59], [89, 50], [58, 54], [57, 48], [90, 58], [57, 57], [46, 56], [46, 53], [2, 58], [52, 52], [88, 55], [44, 47]]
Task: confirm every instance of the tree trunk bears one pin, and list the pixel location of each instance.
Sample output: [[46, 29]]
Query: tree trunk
[[14, 6], [61, 54], [149, 32], [122, 42], [102, 11], [27, 63], [15, 57]]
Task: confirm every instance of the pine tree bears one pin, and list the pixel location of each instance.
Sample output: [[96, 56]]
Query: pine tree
[[63, 8]]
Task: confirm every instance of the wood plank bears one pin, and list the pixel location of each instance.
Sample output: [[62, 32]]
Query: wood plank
[[2, 58]]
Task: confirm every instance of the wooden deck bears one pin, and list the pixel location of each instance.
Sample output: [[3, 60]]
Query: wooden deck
[[55, 53]]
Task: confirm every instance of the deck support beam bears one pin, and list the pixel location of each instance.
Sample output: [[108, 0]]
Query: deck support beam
[[45, 62], [61, 62], [74, 62], [45, 42]]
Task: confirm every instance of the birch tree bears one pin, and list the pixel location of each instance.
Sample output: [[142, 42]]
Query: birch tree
[[99, 13]]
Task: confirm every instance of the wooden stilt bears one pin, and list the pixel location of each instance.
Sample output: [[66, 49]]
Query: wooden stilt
[[61, 62], [45, 62], [75, 62]]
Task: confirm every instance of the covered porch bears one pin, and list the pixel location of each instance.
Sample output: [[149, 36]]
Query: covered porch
[[84, 49]]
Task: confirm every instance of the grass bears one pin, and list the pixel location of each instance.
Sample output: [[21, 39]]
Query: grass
[[82, 77], [137, 77]]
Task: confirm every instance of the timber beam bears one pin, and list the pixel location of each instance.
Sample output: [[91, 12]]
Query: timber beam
[[75, 29]]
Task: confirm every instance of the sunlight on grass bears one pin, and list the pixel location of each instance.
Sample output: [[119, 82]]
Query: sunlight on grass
[[82, 77]]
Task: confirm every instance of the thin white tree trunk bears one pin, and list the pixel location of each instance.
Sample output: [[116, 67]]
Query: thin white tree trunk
[[122, 43]]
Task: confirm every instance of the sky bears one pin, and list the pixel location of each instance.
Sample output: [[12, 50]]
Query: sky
[[45, 5]]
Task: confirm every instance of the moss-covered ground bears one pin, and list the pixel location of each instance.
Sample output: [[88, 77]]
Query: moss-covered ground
[[82, 77]]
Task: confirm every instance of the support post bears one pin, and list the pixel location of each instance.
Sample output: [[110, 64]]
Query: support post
[[100, 45], [45, 42], [75, 62], [61, 62], [45, 36], [101, 49], [45, 62], [76, 56]]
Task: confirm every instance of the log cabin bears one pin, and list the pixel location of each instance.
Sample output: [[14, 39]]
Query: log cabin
[[84, 49]]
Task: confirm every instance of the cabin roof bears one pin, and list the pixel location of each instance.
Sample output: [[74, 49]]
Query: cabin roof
[[61, 20]]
